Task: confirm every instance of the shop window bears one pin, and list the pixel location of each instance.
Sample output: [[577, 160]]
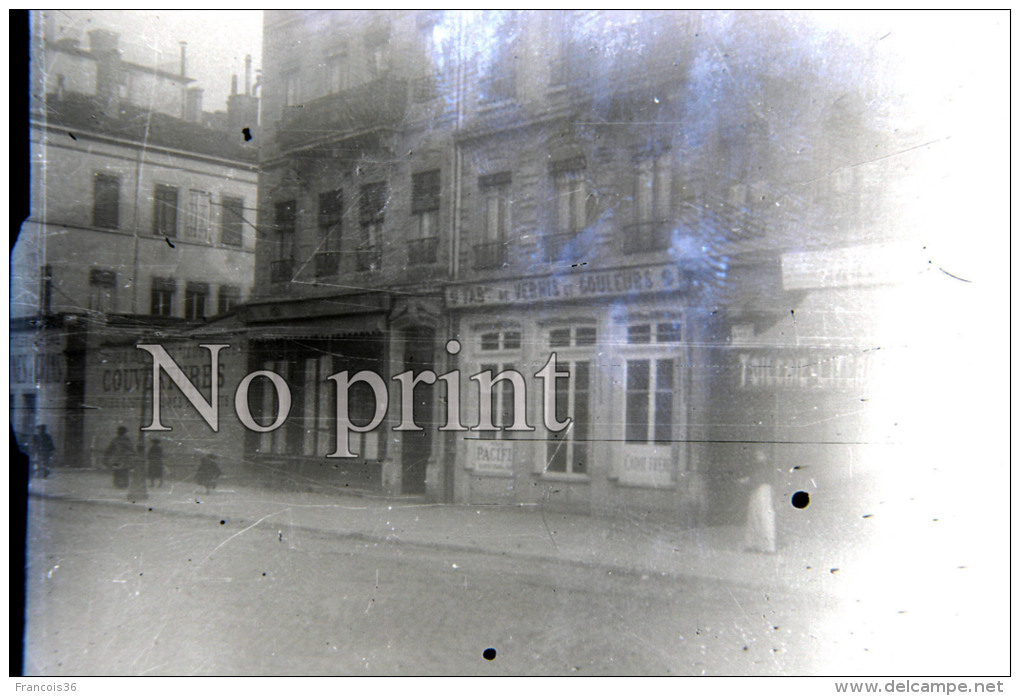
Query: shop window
[[165, 211], [106, 202], [567, 450], [585, 336], [501, 348], [274, 441], [102, 290], [163, 290], [638, 334], [230, 297], [501, 340], [232, 221], [667, 332], [649, 407], [502, 395], [197, 216], [195, 297], [574, 336], [659, 332], [318, 410]]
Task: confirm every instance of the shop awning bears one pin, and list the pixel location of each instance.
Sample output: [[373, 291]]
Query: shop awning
[[363, 324]]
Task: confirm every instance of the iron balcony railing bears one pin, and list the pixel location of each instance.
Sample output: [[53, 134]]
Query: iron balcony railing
[[490, 255], [555, 245], [281, 271], [327, 263], [647, 236], [381, 103], [369, 258], [422, 251]]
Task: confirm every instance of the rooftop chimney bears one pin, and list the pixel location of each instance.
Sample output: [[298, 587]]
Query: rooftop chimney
[[103, 41], [247, 75], [184, 64], [193, 108]]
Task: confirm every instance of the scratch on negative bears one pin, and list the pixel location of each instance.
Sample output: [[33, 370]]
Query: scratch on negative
[[541, 508], [954, 276], [237, 534]]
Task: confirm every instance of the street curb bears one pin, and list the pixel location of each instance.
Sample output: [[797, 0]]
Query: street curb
[[610, 568]]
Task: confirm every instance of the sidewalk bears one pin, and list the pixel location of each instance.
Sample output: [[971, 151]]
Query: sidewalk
[[616, 545]]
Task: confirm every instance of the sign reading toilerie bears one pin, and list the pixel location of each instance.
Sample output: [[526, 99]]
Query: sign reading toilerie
[[572, 286]]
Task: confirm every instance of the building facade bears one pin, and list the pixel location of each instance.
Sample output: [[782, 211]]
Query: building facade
[[478, 192], [142, 223]]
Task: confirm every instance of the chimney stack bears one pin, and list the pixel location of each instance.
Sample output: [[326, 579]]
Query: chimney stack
[[184, 65], [233, 85], [193, 107], [103, 42], [247, 75]]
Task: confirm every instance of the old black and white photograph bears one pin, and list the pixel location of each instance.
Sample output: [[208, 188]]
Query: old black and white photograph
[[512, 343]]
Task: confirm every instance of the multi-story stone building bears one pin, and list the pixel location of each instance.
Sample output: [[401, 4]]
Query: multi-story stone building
[[481, 191], [142, 218]]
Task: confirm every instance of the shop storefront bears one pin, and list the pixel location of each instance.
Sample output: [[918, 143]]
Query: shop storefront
[[588, 382], [119, 379], [47, 383], [318, 348]]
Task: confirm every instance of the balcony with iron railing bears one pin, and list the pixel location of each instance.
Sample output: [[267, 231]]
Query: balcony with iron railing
[[327, 263], [424, 89], [422, 251], [368, 258], [647, 236], [377, 104], [281, 271], [555, 246], [490, 255]]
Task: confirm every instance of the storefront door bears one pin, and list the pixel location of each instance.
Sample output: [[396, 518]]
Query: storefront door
[[417, 445]]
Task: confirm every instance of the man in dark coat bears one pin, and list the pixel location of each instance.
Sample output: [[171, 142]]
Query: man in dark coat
[[156, 463], [42, 451], [120, 458], [208, 472]]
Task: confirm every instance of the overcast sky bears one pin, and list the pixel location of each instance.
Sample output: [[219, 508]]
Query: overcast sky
[[218, 41]]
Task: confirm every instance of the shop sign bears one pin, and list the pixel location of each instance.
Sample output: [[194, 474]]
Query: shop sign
[[495, 456], [644, 465], [38, 358], [802, 370], [572, 286]]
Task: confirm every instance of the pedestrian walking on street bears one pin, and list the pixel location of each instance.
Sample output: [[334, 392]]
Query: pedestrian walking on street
[[42, 451], [208, 472], [156, 463], [760, 527], [120, 458]]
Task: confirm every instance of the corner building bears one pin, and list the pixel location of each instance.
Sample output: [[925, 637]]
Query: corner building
[[141, 224], [527, 184]]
